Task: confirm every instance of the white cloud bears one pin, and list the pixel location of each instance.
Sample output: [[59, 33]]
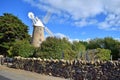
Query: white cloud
[[81, 23], [71, 40], [88, 39], [112, 6], [84, 22], [83, 12], [83, 33], [76, 8], [110, 21], [60, 35], [117, 39]]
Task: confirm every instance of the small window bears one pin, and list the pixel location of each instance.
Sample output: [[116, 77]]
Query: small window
[[40, 40]]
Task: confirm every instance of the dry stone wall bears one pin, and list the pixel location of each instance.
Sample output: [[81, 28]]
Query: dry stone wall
[[74, 69], [1, 60]]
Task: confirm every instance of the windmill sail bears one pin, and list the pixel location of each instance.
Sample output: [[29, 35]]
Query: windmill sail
[[49, 32], [47, 17]]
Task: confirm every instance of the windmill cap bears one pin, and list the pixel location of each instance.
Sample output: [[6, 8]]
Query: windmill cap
[[38, 22]]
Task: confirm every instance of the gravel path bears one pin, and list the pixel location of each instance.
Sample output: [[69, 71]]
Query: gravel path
[[15, 74]]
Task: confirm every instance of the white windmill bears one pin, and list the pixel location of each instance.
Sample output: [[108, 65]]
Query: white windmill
[[39, 27]]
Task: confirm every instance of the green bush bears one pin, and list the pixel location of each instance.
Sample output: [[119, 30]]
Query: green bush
[[56, 48], [103, 54], [22, 48]]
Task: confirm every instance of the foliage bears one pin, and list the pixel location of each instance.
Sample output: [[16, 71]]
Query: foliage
[[56, 48], [50, 48], [95, 54], [11, 29], [95, 43], [106, 43], [103, 54], [114, 46], [78, 48], [22, 48]]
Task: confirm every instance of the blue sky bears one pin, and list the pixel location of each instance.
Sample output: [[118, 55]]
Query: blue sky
[[74, 19]]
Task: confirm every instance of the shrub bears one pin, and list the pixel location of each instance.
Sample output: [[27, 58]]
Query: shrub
[[22, 48]]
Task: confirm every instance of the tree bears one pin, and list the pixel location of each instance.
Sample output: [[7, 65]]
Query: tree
[[51, 47], [79, 48], [69, 53], [11, 30], [95, 43], [113, 45], [103, 54], [95, 54], [22, 48], [106, 43], [55, 48]]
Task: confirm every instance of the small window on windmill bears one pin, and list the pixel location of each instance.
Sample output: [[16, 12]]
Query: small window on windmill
[[37, 30], [40, 29], [40, 34], [40, 40]]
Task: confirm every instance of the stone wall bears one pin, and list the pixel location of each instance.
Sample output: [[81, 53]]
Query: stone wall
[[74, 69], [1, 60]]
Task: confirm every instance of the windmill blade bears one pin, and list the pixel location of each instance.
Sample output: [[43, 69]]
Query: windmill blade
[[47, 17], [49, 32]]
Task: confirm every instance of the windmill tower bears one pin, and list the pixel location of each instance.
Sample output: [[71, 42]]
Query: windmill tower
[[38, 30]]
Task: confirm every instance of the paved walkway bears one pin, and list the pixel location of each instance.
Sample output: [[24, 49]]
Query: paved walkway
[[15, 74]]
